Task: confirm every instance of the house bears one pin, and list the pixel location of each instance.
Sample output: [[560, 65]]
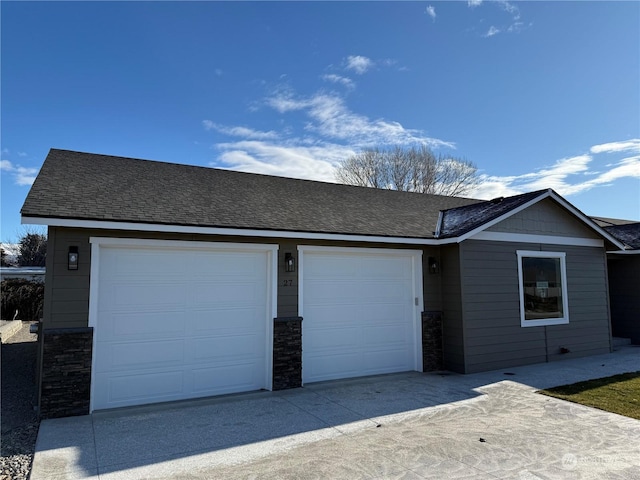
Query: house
[[624, 279], [167, 282]]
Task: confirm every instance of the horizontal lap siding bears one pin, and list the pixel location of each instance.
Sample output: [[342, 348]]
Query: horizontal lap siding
[[67, 291], [452, 331], [491, 302]]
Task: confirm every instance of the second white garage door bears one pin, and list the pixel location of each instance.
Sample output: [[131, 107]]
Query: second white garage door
[[360, 313], [176, 320]]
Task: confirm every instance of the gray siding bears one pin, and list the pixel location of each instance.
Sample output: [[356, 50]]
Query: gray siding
[[624, 292], [452, 327], [67, 292], [491, 304], [432, 283], [545, 218]]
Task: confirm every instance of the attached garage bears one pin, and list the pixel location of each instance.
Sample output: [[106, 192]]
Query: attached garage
[[179, 320], [361, 309]]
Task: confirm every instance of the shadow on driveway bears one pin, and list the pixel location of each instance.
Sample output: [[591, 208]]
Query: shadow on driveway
[[223, 431]]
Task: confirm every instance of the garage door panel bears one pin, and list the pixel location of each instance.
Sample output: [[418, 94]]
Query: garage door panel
[[327, 340], [330, 266], [139, 355], [137, 326], [147, 295], [383, 336], [227, 320], [359, 314], [225, 264], [384, 267], [197, 328], [385, 291], [338, 365], [152, 262], [225, 348], [335, 291], [386, 361], [139, 388], [332, 315], [373, 313], [225, 379], [226, 293]]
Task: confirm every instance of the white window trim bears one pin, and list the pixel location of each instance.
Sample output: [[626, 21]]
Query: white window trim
[[565, 297]]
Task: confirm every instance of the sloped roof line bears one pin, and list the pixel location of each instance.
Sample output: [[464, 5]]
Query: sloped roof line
[[125, 191], [535, 198], [628, 233]]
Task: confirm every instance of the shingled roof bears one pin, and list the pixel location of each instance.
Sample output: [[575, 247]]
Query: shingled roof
[[458, 221], [84, 186], [628, 234]]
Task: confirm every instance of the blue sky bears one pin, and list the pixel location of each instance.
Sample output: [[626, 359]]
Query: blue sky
[[537, 94]]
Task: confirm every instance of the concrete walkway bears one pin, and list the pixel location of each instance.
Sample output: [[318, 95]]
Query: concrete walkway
[[403, 426]]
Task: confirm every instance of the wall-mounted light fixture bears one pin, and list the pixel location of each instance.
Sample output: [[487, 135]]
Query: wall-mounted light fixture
[[289, 263], [73, 258], [434, 265]]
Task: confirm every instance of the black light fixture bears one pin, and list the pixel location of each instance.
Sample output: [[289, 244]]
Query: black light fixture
[[434, 266], [73, 258], [289, 263]]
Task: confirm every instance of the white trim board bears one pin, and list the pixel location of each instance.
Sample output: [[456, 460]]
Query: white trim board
[[478, 234], [240, 232]]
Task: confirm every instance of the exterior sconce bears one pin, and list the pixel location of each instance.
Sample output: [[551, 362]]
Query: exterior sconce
[[289, 263], [434, 266], [73, 258]]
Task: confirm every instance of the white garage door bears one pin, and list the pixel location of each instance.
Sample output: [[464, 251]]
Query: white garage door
[[359, 312], [178, 322]]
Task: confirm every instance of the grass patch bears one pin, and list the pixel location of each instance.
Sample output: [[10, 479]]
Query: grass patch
[[618, 394]]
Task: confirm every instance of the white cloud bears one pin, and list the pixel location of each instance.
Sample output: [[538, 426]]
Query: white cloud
[[332, 133], [347, 82], [22, 176], [633, 145], [491, 32], [239, 131], [297, 161], [474, 3], [359, 64], [510, 8], [568, 176], [331, 118], [431, 11]]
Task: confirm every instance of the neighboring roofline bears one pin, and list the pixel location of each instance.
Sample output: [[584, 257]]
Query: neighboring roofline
[[193, 229], [549, 193], [624, 252]]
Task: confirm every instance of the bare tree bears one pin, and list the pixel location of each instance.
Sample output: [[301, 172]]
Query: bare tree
[[415, 169]]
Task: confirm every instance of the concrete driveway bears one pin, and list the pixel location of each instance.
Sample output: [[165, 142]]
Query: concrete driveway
[[402, 426]]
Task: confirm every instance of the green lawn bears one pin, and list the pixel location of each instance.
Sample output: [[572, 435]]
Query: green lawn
[[618, 394]]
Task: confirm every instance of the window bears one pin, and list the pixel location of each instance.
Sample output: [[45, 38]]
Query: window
[[543, 288]]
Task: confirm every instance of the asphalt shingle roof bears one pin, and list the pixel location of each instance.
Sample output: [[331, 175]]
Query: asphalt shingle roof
[[85, 186], [460, 220], [628, 234]]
